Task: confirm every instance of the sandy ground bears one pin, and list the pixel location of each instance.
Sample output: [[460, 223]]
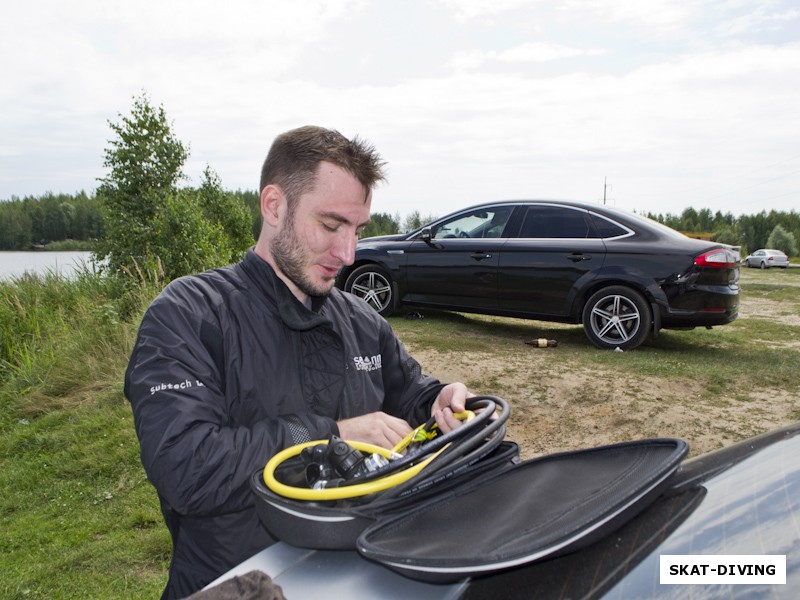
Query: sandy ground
[[589, 407]]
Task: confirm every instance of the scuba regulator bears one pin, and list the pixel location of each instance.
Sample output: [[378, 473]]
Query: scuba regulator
[[337, 463]]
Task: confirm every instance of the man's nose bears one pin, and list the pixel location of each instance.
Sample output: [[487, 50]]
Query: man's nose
[[345, 247]]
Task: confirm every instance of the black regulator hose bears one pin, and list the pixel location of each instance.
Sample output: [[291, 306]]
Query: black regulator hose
[[455, 457], [485, 404]]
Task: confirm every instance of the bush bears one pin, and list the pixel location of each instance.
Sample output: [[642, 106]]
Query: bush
[[152, 226], [782, 240]]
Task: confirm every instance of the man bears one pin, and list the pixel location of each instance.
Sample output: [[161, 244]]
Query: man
[[235, 364]]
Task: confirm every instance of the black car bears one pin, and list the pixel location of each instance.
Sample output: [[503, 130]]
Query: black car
[[619, 274]]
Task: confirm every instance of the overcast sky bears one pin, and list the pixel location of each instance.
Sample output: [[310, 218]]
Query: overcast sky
[[686, 103]]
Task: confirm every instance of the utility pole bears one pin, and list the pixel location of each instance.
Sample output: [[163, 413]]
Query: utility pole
[[605, 188]]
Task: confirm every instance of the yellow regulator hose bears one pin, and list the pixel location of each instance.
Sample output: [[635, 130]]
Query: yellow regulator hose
[[419, 435], [337, 493]]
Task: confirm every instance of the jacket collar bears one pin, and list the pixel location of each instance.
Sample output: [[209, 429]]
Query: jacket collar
[[292, 312]]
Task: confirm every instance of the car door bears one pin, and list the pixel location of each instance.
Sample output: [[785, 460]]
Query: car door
[[555, 252], [455, 266]]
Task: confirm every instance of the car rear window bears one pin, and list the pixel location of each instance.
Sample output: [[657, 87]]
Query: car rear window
[[606, 229]]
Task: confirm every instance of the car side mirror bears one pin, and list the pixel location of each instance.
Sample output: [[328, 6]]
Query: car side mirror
[[426, 235]]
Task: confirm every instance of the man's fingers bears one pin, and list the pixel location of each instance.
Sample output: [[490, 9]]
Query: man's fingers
[[376, 428], [446, 420]]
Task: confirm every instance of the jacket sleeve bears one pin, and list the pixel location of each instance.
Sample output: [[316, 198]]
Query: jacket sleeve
[[198, 461], [409, 393]]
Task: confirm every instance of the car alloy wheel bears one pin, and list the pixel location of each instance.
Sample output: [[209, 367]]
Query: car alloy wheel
[[372, 284], [617, 317]]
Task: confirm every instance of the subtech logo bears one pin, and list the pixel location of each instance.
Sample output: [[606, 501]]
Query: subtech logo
[[367, 363]]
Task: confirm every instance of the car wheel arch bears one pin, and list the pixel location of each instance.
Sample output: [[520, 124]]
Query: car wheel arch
[[385, 262]]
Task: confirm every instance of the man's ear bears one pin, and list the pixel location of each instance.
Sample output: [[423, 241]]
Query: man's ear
[[273, 204]]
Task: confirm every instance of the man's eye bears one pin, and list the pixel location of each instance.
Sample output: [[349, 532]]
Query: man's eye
[[331, 227]]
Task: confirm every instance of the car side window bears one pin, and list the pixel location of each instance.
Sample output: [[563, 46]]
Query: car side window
[[555, 222], [485, 223]]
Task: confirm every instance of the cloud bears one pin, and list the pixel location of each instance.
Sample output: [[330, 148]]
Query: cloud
[[664, 14], [757, 20], [653, 13], [529, 52], [70, 67], [542, 99], [697, 121], [475, 9]]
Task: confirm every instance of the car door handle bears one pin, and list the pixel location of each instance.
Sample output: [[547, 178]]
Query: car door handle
[[577, 257], [480, 255]]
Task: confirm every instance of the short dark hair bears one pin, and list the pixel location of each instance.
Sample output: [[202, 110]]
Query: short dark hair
[[293, 159]]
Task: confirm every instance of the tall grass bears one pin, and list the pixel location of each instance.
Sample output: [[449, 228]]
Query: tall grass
[[78, 516]]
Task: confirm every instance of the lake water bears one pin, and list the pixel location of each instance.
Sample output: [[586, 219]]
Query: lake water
[[14, 264]]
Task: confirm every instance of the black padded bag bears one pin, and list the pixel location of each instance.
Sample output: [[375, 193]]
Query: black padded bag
[[538, 509], [494, 515], [337, 525]]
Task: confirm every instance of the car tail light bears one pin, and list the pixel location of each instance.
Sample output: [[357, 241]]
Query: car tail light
[[722, 258]]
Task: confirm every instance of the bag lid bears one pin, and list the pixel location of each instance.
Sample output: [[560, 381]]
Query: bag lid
[[538, 509]]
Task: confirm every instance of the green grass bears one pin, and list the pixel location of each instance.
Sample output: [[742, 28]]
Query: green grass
[[79, 518]]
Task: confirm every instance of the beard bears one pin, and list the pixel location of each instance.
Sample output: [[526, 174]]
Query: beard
[[293, 259]]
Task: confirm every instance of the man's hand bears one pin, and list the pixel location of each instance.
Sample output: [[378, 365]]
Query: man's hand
[[376, 428], [452, 399]]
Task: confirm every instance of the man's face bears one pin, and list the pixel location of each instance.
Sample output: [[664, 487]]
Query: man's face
[[318, 237]]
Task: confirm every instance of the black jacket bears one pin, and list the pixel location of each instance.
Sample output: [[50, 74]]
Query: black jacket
[[228, 369]]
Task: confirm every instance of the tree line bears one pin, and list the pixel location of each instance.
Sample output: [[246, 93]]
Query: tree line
[[33, 221], [773, 229]]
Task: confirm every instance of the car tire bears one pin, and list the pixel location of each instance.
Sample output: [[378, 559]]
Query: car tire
[[617, 317], [373, 284], [763, 265]]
